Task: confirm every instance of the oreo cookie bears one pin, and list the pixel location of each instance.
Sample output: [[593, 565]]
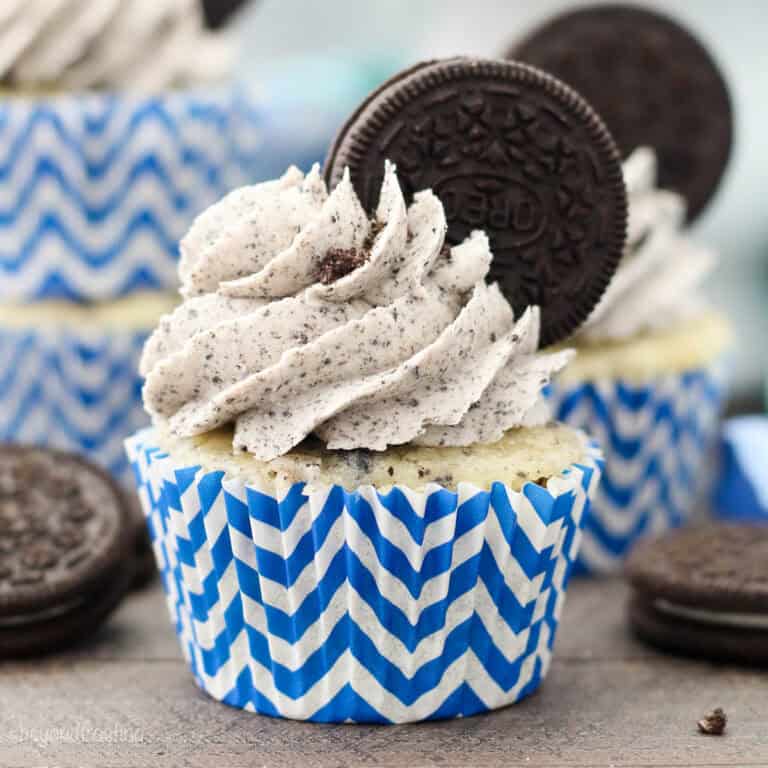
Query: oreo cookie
[[654, 84], [509, 150], [217, 13], [65, 549], [703, 592]]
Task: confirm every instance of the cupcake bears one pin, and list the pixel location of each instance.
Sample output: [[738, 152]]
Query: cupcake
[[648, 379], [107, 155], [357, 575], [360, 506], [70, 375]]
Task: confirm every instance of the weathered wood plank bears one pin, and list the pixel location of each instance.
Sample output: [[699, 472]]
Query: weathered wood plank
[[141, 629], [588, 713], [594, 623], [126, 699]]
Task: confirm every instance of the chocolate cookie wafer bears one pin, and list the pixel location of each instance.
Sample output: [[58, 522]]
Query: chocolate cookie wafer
[[704, 592], [217, 13], [509, 150], [654, 83], [65, 549]]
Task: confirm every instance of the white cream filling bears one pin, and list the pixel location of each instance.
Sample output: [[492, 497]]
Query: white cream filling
[[715, 618]]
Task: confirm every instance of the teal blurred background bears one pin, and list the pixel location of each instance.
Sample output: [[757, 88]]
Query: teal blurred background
[[317, 60]]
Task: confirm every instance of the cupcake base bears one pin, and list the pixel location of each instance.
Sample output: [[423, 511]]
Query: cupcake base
[[659, 440], [100, 187], [653, 404], [318, 603], [521, 456], [69, 375]]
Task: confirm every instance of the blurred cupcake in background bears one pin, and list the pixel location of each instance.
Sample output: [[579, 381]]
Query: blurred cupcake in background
[[119, 119], [648, 380]]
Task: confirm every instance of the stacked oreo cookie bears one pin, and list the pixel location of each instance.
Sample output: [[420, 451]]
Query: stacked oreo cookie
[[704, 592], [65, 549]]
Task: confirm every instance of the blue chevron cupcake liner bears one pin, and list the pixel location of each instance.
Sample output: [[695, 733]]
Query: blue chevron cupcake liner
[[76, 390], [96, 189], [327, 605], [659, 440]]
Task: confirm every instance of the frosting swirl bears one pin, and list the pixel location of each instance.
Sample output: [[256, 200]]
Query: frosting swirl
[[656, 284], [144, 45], [407, 344]]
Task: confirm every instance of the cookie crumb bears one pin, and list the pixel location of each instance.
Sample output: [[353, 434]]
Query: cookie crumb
[[339, 262], [714, 723], [376, 228]]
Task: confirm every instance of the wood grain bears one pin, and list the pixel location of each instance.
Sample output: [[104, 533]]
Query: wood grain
[[127, 699]]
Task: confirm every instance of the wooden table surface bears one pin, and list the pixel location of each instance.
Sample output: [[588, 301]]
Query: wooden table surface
[[127, 699]]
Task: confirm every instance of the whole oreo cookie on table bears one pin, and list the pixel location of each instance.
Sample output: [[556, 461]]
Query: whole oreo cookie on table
[[703, 591], [509, 150], [653, 83], [65, 549]]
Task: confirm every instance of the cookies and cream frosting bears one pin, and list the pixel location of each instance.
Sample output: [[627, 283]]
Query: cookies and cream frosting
[[657, 283], [304, 316], [137, 45]]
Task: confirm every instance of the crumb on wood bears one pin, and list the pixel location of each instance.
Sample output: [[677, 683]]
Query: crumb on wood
[[714, 723]]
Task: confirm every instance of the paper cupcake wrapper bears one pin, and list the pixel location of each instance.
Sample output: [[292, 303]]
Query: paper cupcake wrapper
[[327, 605], [96, 190], [73, 390], [658, 439]]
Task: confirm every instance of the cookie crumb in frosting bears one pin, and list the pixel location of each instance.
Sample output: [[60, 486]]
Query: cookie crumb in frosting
[[339, 262], [373, 233]]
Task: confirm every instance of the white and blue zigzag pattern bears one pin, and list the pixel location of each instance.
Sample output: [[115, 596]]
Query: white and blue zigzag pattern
[[657, 439], [96, 190], [335, 606], [76, 391]]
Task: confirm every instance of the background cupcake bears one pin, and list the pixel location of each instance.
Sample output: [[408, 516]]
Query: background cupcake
[[118, 121], [648, 379], [359, 505]]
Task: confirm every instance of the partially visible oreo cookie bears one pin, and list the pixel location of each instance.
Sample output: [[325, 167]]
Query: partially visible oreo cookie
[[653, 83], [703, 592], [217, 13], [65, 549], [509, 150]]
